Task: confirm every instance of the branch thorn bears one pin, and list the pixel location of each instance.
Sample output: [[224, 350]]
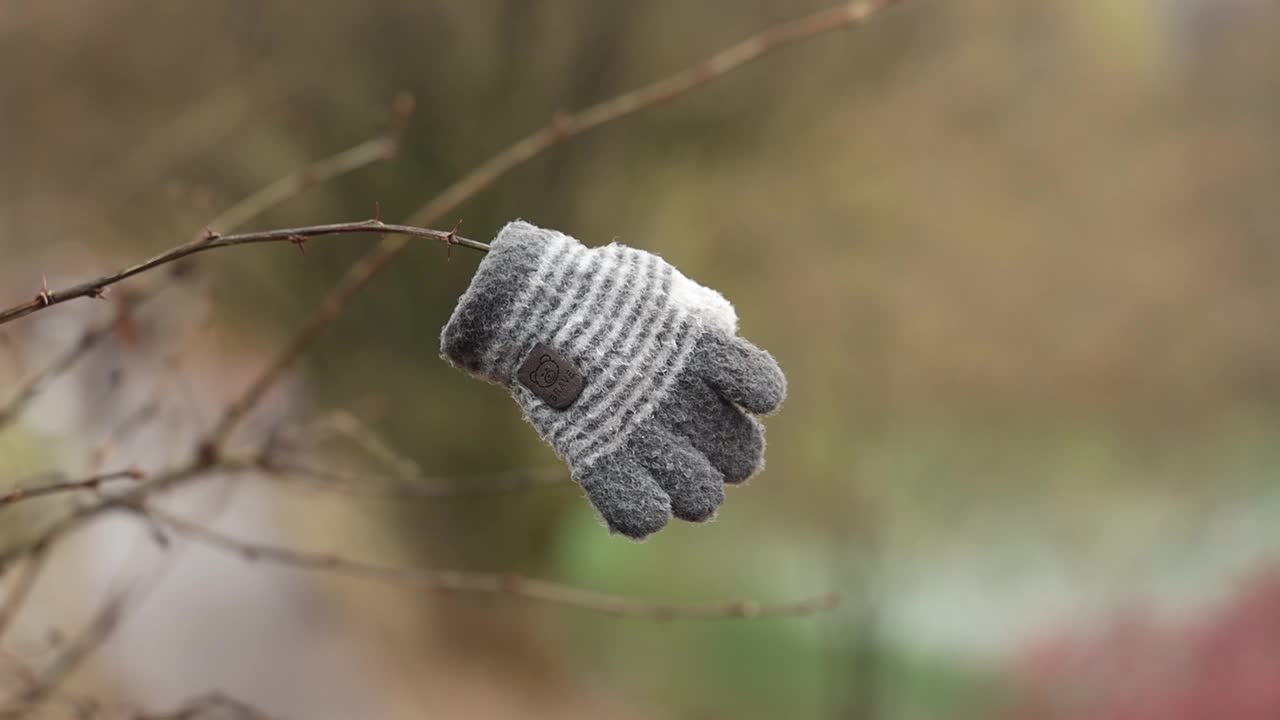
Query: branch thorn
[[451, 239]]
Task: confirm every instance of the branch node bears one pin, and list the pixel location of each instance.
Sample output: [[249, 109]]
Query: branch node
[[300, 242], [208, 454], [451, 239], [44, 297]]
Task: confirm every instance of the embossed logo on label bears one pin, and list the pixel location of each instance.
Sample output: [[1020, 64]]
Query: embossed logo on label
[[551, 377]]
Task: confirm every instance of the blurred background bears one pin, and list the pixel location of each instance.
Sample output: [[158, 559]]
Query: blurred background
[[1019, 261]]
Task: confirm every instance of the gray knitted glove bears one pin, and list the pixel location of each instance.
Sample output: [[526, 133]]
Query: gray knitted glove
[[632, 372]]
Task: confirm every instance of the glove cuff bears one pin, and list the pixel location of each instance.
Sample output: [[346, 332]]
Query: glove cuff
[[497, 299]]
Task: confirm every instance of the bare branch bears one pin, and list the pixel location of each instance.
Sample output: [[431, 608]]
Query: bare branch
[[212, 240], [390, 472], [77, 649], [561, 128], [112, 613], [346, 161], [209, 456], [80, 517], [292, 185], [358, 432], [452, 581], [18, 494], [21, 587], [565, 126], [373, 485], [381, 471], [31, 387], [215, 704]]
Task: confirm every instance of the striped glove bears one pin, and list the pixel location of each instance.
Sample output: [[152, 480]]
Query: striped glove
[[632, 372]]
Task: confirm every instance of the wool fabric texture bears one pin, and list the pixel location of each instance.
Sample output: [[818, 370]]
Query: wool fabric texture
[[630, 371]]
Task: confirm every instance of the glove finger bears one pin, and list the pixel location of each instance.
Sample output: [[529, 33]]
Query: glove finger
[[626, 496], [695, 487], [731, 440], [741, 372]]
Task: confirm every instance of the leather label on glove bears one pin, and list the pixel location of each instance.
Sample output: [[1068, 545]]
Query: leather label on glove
[[551, 377]]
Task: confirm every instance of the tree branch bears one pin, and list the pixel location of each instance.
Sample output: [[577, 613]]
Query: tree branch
[[31, 387], [21, 587], [354, 158], [393, 475], [212, 241], [77, 649], [210, 458], [18, 494], [82, 516], [292, 185], [561, 128], [452, 581], [214, 704], [373, 485], [565, 126]]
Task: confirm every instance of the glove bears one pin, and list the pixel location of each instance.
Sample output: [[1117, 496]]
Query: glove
[[629, 370]]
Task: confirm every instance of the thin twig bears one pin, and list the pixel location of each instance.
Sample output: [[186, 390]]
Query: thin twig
[[355, 430], [210, 458], [208, 705], [212, 241], [346, 161], [562, 127], [452, 581], [373, 485], [292, 185], [31, 387], [76, 650], [341, 163], [129, 596], [111, 615], [21, 587], [158, 483], [392, 473], [18, 494]]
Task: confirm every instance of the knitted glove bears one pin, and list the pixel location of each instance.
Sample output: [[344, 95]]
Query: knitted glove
[[632, 372]]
